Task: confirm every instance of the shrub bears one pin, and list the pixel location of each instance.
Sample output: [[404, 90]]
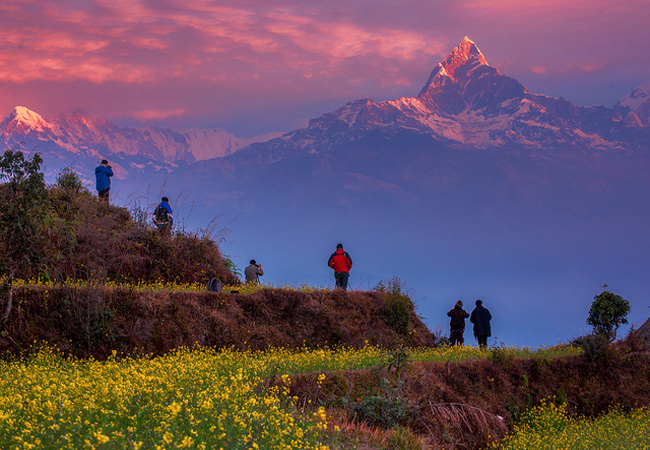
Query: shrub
[[397, 360], [595, 347], [24, 211], [381, 411], [633, 342], [501, 356], [398, 307]]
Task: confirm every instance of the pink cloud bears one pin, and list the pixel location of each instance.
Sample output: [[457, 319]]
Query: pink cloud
[[203, 57], [121, 33], [153, 114]]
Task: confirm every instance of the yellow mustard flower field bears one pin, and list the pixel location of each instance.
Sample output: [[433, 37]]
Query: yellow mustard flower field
[[548, 426], [203, 398], [191, 398]]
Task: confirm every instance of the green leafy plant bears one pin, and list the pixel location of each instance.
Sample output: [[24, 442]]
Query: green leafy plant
[[502, 356], [398, 307], [608, 311], [397, 360], [24, 211], [381, 411], [595, 347]]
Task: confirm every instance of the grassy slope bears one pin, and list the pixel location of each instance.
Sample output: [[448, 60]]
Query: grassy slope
[[89, 240]]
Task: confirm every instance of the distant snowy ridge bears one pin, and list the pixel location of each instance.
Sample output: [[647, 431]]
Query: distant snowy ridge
[[79, 132], [635, 106]]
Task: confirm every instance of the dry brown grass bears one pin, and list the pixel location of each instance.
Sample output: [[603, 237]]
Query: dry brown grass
[[354, 435], [454, 423], [95, 320]]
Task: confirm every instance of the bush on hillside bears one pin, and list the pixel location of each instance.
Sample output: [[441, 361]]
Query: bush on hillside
[[23, 212], [595, 347], [23, 217], [634, 342], [380, 411], [398, 307]]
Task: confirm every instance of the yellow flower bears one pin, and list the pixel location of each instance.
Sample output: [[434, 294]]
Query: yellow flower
[[187, 442], [168, 437], [174, 408], [101, 438]]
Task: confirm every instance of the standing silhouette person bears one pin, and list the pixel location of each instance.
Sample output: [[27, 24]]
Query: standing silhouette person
[[481, 319], [457, 324], [103, 174], [341, 262], [253, 272]]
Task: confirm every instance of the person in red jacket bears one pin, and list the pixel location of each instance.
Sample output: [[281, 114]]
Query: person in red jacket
[[341, 262]]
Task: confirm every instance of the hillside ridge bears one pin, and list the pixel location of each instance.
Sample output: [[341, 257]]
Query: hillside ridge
[[97, 321]]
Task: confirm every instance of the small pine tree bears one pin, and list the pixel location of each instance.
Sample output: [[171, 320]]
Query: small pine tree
[[608, 311]]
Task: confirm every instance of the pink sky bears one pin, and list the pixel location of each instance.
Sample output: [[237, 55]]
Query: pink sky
[[253, 66]]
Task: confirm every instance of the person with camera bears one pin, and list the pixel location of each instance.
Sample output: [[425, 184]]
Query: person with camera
[[457, 324], [253, 272], [103, 174]]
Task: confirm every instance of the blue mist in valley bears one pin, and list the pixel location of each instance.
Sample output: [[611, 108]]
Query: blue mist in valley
[[536, 248], [538, 282]]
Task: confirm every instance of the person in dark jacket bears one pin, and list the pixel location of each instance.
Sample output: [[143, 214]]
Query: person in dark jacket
[[253, 272], [481, 317], [103, 174], [341, 262], [457, 324]]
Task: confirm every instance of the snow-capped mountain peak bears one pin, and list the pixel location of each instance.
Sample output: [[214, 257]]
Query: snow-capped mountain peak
[[80, 141], [466, 53], [634, 108], [468, 102], [636, 98], [24, 119]]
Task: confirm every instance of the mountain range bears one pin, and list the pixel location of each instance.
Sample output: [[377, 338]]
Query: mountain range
[[471, 137], [80, 141], [465, 102], [475, 187]]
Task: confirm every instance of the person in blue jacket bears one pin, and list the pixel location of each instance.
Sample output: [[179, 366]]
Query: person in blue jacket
[[103, 174], [163, 216]]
